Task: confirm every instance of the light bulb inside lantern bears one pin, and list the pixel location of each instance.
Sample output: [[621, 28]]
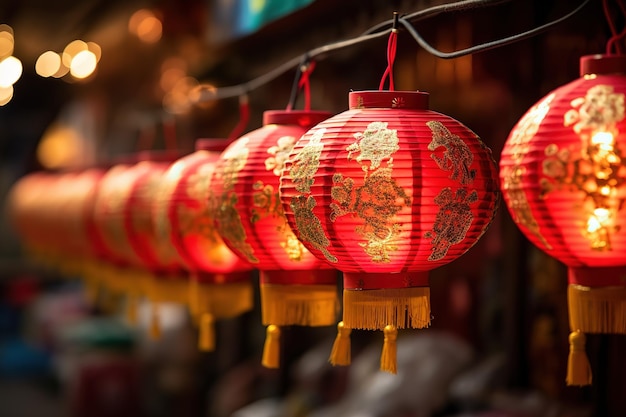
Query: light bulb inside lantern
[[604, 141]]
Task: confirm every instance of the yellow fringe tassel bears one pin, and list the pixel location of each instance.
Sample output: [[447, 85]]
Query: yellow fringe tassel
[[131, 309], [222, 301], [340, 354], [389, 355], [302, 305], [375, 309], [578, 368], [597, 309], [206, 337], [271, 349], [155, 325]]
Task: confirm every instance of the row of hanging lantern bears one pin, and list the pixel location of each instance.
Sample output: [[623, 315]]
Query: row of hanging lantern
[[383, 193]]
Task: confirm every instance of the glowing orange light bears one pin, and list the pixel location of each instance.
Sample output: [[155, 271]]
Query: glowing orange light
[[83, 64], [48, 64]]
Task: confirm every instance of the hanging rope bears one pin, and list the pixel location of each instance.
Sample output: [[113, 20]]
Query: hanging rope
[[392, 45], [383, 29]]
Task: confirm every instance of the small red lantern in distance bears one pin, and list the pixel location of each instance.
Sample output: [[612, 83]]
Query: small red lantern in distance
[[296, 287], [563, 175], [385, 192], [220, 285]]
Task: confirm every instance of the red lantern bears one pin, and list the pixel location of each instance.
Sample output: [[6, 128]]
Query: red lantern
[[563, 172], [385, 192], [296, 287], [27, 210], [220, 285]]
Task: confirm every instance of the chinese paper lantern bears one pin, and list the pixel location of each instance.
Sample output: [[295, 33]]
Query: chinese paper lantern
[[296, 287], [563, 176], [219, 281], [26, 209], [385, 192], [166, 280]]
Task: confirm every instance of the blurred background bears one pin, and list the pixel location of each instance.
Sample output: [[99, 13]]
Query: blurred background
[[498, 341]]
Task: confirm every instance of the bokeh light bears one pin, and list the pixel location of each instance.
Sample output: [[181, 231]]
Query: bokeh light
[[48, 64], [146, 26], [10, 71], [83, 64]]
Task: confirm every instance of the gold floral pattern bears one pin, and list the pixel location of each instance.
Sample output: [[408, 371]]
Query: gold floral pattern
[[519, 144], [223, 206], [598, 171], [379, 199], [307, 162], [457, 156], [452, 222], [229, 224], [375, 144], [280, 153], [309, 226]]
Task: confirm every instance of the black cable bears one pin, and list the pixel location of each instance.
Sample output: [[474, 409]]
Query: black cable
[[382, 29], [488, 45]]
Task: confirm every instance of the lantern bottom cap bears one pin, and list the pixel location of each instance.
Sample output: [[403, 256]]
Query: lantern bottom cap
[[597, 309], [376, 309], [301, 305]]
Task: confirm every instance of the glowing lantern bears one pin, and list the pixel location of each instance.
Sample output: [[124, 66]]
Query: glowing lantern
[[220, 285], [385, 192], [296, 287], [563, 177], [26, 208]]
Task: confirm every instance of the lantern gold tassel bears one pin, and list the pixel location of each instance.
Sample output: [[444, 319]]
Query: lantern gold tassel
[[388, 357], [155, 325], [302, 305], [206, 337], [271, 349], [578, 368], [340, 354], [374, 309]]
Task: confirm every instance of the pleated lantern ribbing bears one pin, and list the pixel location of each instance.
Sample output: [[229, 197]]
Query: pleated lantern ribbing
[[219, 284], [296, 287], [563, 176], [385, 192]]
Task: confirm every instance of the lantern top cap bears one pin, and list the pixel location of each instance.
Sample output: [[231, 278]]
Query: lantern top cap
[[303, 118], [602, 64], [377, 99], [212, 144]]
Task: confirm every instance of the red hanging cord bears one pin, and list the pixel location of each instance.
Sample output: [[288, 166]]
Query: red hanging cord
[[391, 57], [244, 117], [305, 84], [169, 134], [613, 45]]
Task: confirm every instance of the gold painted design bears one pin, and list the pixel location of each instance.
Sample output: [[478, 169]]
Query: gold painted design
[[379, 199], [199, 220], [302, 171], [309, 226], [229, 224], [307, 162], [452, 222], [375, 144], [280, 153], [397, 102], [512, 176], [457, 156], [359, 103], [598, 171], [266, 200], [222, 206]]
